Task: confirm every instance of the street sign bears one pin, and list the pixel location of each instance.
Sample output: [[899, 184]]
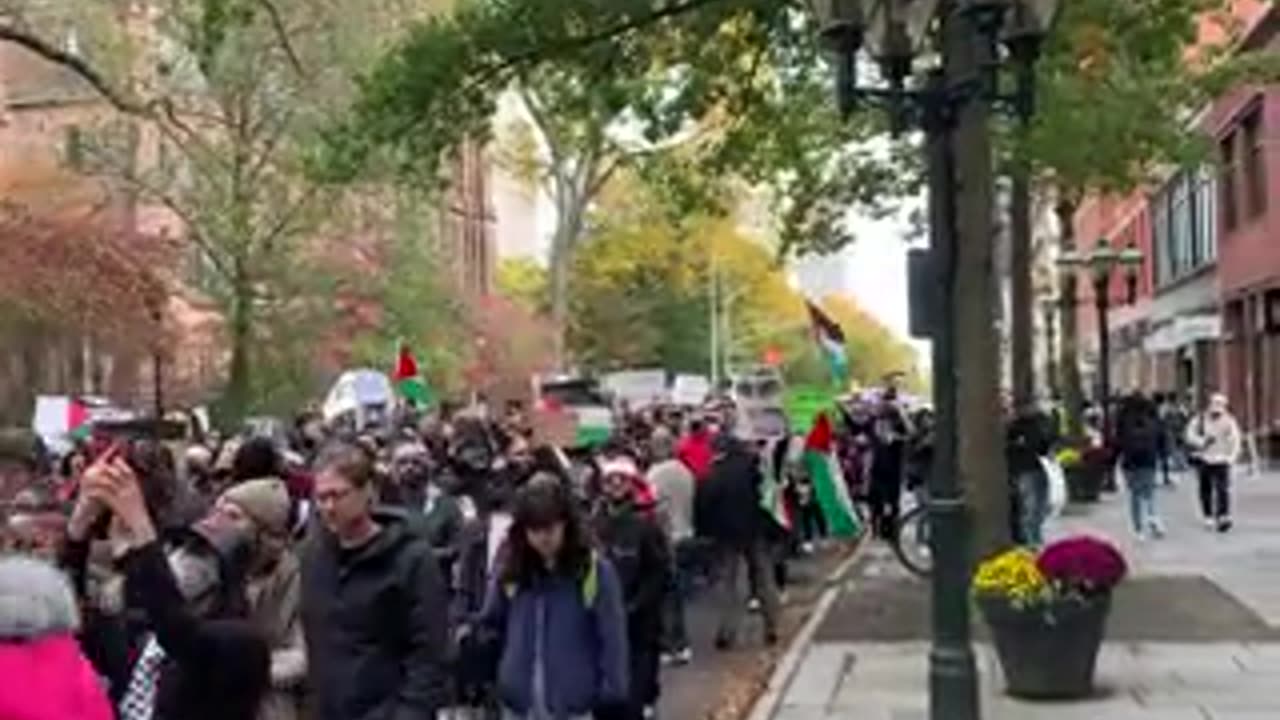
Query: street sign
[[922, 293]]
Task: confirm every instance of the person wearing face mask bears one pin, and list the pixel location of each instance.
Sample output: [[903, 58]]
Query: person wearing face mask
[[640, 554], [1215, 442], [260, 509], [199, 656]]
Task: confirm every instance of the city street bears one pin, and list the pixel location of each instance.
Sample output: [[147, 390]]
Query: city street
[[1194, 633]]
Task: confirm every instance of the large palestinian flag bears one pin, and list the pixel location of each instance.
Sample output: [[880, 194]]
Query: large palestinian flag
[[828, 482]]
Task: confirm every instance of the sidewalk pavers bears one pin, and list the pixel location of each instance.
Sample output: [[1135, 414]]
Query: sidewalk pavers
[[1194, 634]]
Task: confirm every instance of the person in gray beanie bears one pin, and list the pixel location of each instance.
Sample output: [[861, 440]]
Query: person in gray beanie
[[199, 657], [261, 509]]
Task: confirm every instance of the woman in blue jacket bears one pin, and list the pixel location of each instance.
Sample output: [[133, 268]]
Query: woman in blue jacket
[[558, 605]]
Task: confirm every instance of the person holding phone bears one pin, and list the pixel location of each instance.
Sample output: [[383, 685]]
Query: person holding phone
[[198, 657]]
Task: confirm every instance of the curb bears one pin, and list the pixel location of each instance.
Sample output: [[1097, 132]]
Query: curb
[[767, 704]]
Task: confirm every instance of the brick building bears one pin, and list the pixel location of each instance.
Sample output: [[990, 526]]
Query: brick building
[[1246, 126], [1207, 316]]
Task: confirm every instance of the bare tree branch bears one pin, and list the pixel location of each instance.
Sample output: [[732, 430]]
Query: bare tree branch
[[56, 55], [277, 26]]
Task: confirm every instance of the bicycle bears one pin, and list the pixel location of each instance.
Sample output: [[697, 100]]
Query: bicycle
[[911, 542]]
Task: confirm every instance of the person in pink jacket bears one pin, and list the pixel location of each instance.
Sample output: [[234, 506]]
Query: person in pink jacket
[[45, 675]]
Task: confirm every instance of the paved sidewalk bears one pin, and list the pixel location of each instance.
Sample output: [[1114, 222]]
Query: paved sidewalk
[[1195, 634]]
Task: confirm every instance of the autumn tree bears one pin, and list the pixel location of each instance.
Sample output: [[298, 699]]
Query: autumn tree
[[218, 101], [692, 95]]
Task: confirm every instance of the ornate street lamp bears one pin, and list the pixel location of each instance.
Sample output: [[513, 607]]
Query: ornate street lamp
[[894, 33], [1101, 262]]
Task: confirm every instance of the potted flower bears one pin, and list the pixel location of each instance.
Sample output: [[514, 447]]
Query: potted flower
[[1048, 614], [1083, 473]]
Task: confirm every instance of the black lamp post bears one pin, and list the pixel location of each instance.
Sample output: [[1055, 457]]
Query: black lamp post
[[1101, 262], [967, 35], [1049, 311]]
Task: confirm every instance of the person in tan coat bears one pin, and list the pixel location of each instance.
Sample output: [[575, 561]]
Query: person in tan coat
[[274, 585]]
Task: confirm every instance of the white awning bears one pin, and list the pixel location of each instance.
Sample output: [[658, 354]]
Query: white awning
[[1183, 330]]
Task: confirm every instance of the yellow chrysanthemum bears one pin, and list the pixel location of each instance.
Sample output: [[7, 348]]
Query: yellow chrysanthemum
[[1012, 575]]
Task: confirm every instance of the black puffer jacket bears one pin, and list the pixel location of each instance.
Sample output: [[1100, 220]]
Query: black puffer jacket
[[727, 504], [376, 623]]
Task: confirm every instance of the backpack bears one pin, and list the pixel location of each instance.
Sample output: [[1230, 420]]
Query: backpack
[[589, 586], [1140, 438]]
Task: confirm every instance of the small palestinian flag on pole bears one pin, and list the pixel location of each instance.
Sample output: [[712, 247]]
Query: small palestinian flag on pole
[[772, 499], [830, 338], [408, 381], [828, 482]]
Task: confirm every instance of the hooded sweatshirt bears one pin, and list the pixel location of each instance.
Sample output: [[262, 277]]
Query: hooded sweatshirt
[[45, 675]]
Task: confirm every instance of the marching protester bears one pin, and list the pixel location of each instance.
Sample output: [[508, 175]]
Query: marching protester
[[198, 656], [729, 515], [558, 606], [1214, 440], [260, 510], [674, 486], [695, 449], [46, 676], [640, 555], [374, 606]]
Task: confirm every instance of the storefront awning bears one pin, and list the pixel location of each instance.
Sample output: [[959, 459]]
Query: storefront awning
[[1183, 330]]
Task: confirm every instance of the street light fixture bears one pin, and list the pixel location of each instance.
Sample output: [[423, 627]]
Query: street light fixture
[[968, 35], [1101, 262]]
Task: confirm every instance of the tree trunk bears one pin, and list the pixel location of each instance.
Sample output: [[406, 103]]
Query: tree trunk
[[980, 441], [1068, 336], [563, 244], [240, 379]]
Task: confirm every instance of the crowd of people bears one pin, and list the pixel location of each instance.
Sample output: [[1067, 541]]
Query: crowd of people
[[1149, 441], [452, 563], [443, 563]]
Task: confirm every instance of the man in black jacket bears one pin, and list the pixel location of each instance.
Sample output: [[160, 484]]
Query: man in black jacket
[[728, 513], [374, 608]]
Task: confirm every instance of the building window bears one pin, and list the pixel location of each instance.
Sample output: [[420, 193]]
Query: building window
[[1227, 182], [1254, 163], [1160, 237], [1206, 218]]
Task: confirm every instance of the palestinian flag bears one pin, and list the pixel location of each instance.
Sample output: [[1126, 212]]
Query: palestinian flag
[[772, 500], [408, 381], [62, 417], [828, 482], [830, 338]]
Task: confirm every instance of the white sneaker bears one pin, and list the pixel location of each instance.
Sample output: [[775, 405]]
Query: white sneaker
[[1210, 524], [1157, 528]]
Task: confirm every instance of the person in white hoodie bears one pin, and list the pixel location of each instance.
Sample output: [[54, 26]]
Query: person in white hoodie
[[1215, 441]]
